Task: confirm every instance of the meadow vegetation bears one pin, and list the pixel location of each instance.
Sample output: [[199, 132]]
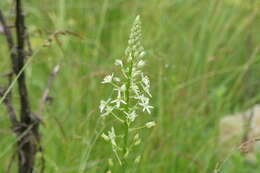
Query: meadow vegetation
[[202, 58]]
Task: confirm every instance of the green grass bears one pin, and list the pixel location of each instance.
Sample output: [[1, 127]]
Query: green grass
[[198, 62]]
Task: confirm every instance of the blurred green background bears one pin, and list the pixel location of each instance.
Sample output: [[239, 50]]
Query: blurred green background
[[203, 60]]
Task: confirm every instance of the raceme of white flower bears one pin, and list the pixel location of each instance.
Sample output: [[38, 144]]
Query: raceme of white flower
[[131, 95]]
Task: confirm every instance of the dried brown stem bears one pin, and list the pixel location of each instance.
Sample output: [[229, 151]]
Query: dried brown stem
[[9, 39], [45, 95], [27, 145], [8, 99], [8, 104], [26, 127]]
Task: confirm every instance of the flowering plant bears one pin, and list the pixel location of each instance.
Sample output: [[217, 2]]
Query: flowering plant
[[130, 98]]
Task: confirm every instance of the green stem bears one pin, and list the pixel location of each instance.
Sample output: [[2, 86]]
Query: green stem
[[137, 128], [124, 164], [126, 124], [119, 119]]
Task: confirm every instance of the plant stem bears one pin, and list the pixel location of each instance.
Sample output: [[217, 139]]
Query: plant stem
[[126, 124], [124, 164]]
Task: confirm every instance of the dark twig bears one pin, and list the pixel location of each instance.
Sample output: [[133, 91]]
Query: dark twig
[[55, 36], [1, 29], [8, 99], [9, 39], [6, 31], [8, 102], [45, 95], [28, 144], [28, 44], [26, 127], [10, 109], [20, 35]]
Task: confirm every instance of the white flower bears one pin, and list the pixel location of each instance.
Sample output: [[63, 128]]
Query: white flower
[[118, 101], [103, 105], [147, 90], [131, 116], [108, 79], [150, 124], [120, 90], [142, 54], [141, 63], [135, 88], [108, 110], [142, 98], [117, 79], [123, 88], [130, 58], [119, 62], [146, 84], [112, 136], [145, 80], [131, 41], [135, 72], [145, 104]]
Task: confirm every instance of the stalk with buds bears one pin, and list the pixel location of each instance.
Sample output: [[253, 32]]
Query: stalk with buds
[[130, 98]]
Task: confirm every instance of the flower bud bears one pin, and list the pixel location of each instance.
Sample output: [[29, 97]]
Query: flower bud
[[136, 137], [137, 142], [110, 162], [150, 124], [104, 136], [137, 159]]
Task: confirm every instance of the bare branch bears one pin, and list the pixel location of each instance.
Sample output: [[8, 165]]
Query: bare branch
[[6, 31], [8, 104], [28, 144], [20, 35], [9, 39]]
